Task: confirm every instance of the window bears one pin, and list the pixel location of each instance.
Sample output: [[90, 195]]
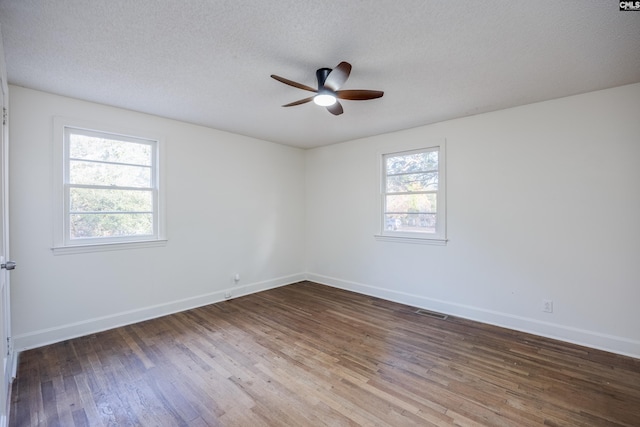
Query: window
[[110, 188], [413, 194]]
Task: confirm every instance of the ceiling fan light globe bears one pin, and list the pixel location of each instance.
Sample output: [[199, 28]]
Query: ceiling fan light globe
[[324, 99]]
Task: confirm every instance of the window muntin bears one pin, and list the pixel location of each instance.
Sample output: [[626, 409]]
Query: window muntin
[[413, 193], [110, 187]]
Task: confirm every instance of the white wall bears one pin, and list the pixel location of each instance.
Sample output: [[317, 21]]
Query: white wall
[[234, 204], [543, 203]]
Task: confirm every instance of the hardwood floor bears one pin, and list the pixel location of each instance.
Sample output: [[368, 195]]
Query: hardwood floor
[[310, 355]]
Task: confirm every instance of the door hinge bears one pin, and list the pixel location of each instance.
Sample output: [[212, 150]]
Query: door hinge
[[4, 116]]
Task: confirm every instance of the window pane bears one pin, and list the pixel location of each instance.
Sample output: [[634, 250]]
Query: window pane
[[89, 173], [99, 200], [420, 223], [417, 162], [411, 203], [412, 182], [109, 150], [84, 226]]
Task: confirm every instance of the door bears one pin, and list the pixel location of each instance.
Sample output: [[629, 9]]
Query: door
[[5, 315]]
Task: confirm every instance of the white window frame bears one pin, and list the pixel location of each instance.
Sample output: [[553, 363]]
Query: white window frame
[[439, 237], [63, 244]]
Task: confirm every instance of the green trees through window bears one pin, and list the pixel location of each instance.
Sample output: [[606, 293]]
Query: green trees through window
[[110, 185], [411, 191]]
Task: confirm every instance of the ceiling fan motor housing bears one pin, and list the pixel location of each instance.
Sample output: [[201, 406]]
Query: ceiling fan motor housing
[[321, 75]]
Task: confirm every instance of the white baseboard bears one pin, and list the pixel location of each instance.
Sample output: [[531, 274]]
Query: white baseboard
[[98, 324], [596, 340]]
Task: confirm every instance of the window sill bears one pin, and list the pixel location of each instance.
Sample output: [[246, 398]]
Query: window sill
[[100, 247], [412, 240]]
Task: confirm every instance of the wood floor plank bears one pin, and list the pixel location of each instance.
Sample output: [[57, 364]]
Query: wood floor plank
[[312, 355]]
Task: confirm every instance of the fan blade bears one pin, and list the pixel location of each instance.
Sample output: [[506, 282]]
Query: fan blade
[[302, 101], [359, 95], [338, 76], [292, 83], [335, 109]]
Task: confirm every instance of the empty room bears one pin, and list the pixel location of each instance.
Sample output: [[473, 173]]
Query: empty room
[[306, 213]]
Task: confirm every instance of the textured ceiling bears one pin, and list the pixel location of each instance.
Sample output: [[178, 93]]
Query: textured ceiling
[[209, 62]]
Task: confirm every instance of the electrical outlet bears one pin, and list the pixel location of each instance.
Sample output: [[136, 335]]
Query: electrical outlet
[[547, 306]]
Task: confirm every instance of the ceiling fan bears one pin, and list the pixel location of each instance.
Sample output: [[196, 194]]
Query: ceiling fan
[[328, 93]]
